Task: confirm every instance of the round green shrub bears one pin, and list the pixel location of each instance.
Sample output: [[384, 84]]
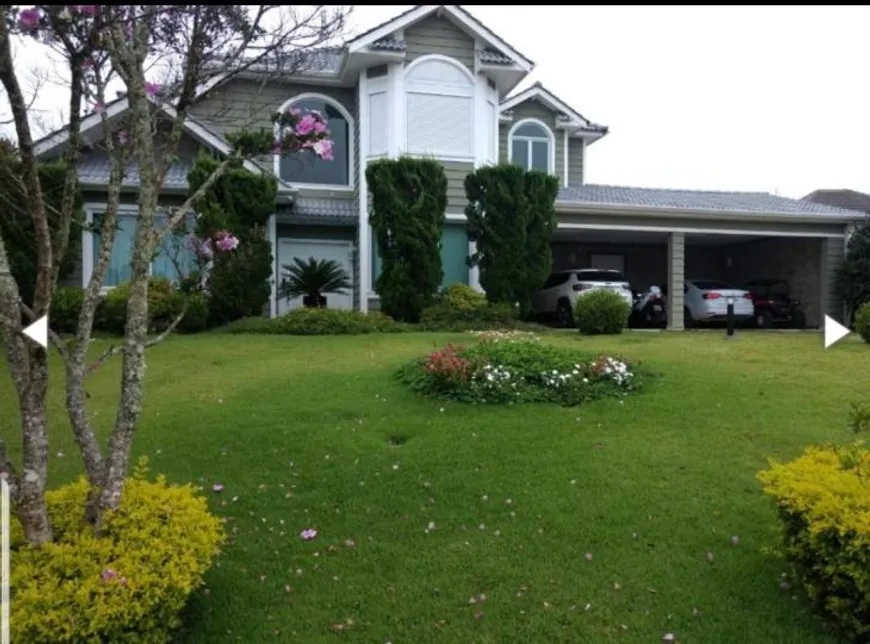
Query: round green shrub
[[601, 312], [66, 306], [196, 316], [862, 322], [462, 297], [128, 584], [163, 306]]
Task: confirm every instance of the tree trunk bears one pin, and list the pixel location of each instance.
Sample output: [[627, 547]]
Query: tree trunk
[[136, 330], [31, 508]]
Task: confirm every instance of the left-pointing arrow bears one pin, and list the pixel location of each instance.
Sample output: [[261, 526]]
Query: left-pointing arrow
[[38, 332]]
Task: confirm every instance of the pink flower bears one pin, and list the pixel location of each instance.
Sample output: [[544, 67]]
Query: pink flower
[[319, 127], [323, 149], [305, 126], [151, 89], [217, 487], [28, 19], [226, 242], [87, 9], [108, 575], [308, 534], [205, 248]]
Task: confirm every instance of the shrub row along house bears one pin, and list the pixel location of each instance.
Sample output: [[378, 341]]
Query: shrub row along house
[[436, 82]]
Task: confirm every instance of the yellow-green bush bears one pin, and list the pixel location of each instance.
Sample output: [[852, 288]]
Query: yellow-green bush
[[823, 502], [127, 585], [601, 312], [462, 297]]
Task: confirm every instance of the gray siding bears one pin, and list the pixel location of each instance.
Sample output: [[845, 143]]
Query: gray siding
[[456, 173], [434, 35], [244, 103], [575, 162], [533, 109]]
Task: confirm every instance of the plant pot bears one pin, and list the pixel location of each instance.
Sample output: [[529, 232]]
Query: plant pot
[[314, 301]]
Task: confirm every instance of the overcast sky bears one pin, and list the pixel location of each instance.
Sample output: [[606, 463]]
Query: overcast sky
[[720, 98]]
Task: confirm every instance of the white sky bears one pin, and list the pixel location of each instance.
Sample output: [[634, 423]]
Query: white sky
[[771, 99]]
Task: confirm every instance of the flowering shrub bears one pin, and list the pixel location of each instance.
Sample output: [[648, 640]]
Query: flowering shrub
[[447, 370], [516, 371], [127, 585], [823, 503], [508, 335]]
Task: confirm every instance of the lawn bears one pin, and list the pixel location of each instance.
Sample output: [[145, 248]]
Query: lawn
[[302, 432]]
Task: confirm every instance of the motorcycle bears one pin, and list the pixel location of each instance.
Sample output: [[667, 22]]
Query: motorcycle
[[649, 309]]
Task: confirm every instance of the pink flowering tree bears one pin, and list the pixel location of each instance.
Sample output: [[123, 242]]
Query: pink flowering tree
[[156, 59]]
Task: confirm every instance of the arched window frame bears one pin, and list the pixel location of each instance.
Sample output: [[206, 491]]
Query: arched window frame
[[464, 90], [351, 150], [550, 139]]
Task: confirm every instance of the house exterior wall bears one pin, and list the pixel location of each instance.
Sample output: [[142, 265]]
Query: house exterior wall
[[437, 35], [533, 109]]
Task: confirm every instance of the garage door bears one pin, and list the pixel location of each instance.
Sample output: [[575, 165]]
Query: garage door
[[339, 251]]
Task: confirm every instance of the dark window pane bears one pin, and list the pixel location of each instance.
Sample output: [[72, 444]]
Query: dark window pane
[[601, 276], [520, 153], [305, 167], [540, 156]]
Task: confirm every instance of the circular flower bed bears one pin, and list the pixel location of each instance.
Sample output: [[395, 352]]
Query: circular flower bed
[[516, 368]]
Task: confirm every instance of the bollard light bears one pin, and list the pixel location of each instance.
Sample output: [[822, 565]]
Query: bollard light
[[730, 302]]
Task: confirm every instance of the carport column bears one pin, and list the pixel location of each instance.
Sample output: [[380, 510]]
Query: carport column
[[676, 277]]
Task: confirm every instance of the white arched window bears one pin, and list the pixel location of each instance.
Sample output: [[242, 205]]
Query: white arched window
[[439, 93], [304, 168], [533, 146]]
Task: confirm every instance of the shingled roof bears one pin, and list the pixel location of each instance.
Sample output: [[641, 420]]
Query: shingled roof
[[851, 199], [698, 200]]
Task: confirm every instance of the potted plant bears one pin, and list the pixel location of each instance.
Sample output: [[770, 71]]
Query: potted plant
[[312, 279]]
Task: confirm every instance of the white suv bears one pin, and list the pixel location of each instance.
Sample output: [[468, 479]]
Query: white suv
[[556, 298]]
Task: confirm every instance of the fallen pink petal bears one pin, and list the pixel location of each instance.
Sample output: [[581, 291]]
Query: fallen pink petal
[[308, 534], [217, 487]]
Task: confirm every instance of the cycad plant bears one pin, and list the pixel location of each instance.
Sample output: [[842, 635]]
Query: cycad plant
[[312, 279]]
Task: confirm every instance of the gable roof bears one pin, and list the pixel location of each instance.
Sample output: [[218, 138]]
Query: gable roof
[[458, 15], [845, 198], [195, 128], [541, 93], [698, 202]]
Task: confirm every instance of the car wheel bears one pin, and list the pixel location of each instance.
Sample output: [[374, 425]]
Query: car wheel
[[798, 320], [688, 320], [565, 315], [764, 319]]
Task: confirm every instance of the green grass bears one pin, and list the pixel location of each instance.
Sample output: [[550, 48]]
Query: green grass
[[298, 430]]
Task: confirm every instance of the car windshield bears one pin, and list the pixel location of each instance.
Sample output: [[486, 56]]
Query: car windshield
[[600, 276], [713, 285]]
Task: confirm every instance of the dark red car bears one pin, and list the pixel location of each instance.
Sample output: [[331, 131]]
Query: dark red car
[[773, 306]]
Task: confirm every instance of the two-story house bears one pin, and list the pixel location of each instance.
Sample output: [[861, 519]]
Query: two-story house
[[435, 81]]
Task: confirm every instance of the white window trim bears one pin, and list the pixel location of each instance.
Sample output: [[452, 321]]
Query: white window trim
[[433, 88], [551, 141], [351, 148], [91, 209]]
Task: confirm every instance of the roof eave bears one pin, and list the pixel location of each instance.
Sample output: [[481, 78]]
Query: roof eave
[[580, 207]]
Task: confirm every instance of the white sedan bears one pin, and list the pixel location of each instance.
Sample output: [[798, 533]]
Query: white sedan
[[707, 301]]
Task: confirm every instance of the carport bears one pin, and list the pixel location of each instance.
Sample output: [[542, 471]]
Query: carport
[[666, 236]]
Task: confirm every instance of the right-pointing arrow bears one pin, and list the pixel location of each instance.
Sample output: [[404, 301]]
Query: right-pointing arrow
[[834, 331]]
